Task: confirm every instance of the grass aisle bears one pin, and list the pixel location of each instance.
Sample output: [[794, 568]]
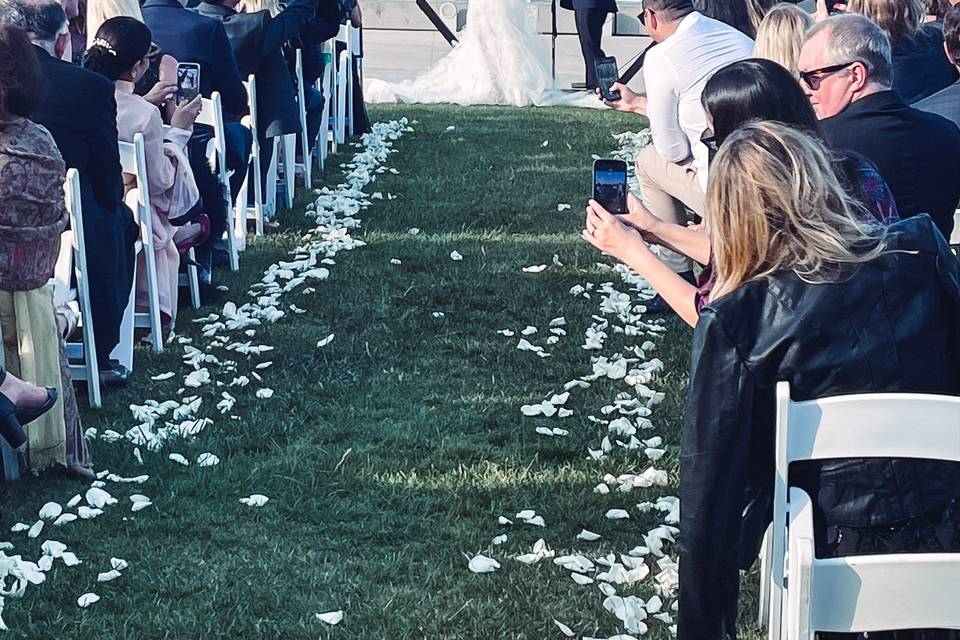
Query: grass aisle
[[389, 454]]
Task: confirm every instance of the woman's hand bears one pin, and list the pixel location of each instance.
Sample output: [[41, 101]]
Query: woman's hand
[[608, 234], [161, 92], [186, 114], [639, 217], [629, 101]]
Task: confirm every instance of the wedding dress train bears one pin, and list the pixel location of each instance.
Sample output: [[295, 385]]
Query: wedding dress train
[[498, 61]]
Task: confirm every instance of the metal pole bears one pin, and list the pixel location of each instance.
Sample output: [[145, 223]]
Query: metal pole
[[553, 39]]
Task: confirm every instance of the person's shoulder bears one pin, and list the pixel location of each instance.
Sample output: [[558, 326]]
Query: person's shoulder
[[914, 234], [937, 126]]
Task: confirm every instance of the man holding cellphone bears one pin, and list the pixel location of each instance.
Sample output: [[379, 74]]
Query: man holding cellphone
[[672, 172]]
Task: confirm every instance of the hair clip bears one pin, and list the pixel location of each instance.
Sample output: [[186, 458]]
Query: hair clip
[[103, 44]]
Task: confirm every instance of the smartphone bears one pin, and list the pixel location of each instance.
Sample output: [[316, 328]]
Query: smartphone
[[610, 185], [188, 81], [607, 74]]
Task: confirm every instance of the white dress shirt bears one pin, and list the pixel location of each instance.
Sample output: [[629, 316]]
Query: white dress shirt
[[675, 73]]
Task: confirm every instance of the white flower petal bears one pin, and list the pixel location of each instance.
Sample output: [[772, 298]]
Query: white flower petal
[[483, 564], [50, 511], [88, 599], [331, 618]]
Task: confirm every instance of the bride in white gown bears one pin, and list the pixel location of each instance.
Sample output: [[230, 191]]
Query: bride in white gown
[[499, 60]]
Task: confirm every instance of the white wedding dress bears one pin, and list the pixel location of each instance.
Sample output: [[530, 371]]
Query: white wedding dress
[[499, 60]]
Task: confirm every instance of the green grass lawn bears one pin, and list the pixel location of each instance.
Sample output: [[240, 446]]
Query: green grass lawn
[[389, 454]]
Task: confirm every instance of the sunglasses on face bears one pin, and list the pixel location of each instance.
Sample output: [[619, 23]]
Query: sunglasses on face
[[709, 140], [643, 17], [814, 77]]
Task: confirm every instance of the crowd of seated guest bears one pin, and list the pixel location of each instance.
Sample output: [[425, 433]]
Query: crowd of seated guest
[[821, 237], [56, 114]]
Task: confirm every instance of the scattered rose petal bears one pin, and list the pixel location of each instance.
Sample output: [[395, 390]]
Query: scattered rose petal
[[482, 564], [331, 618], [88, 599]]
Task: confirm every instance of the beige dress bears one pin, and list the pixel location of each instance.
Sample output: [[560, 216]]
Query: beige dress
[[172, 188]]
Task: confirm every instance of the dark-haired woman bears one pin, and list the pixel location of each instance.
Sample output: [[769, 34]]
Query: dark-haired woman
[[747, 90], [121, 52], [32, 217]]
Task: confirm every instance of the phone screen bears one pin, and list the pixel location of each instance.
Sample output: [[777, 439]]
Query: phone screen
[[188, 82], [610, 185], [607, 74]]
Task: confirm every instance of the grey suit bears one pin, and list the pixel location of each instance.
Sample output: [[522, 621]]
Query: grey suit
[[945, 103]]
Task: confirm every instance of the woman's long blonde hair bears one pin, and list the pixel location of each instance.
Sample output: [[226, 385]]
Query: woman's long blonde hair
[[253, 6], [776, 205], [780, 35], [99, 11], [897, 18]]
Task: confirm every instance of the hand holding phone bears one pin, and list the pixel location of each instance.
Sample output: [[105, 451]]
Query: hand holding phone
[[188, 82], [607, 74], [610, 185]]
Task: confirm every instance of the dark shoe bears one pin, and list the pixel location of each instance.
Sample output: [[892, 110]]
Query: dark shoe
[[10, 428], [26, 415], [657, 305], [114, 376]]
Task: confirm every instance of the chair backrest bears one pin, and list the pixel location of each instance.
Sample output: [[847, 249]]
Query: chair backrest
[[353, 38], [133, 160], [251, 85], [211, 114], [852, 594], [298, 70]]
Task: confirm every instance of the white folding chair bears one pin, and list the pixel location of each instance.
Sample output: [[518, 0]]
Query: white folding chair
[[356, 69], [211, 114], [133, 160], [264, 204], [858, 594], [306, 145], [327, 86], [72, 263], [287, 145], [344, 87]]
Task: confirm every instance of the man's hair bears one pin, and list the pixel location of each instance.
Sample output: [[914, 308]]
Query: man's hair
[[854, 38], [951, 31], [670, 10], [43, 20]]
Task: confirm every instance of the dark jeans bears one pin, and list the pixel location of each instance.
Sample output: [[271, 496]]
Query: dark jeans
[[937, 531], [314, 100], [590, 30]]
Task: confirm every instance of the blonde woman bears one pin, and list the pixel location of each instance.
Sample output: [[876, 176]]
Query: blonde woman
[[780, 35], [920, 68], [99, 11], [808, 293]]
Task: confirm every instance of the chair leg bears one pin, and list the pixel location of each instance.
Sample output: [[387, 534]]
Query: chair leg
[[290, 167], [123, 352], [193, 279], [153, 298], [763, 606]]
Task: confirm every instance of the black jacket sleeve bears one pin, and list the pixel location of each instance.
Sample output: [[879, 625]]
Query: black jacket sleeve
[[105, 174], [713, 476]]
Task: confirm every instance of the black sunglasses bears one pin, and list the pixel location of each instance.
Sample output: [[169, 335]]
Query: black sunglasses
[[814, 77], [643, 17]]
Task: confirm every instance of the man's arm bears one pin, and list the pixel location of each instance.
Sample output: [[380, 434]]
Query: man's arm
[[288, 24], [714, 462], [227, 81], [105, 173], [663, 111]]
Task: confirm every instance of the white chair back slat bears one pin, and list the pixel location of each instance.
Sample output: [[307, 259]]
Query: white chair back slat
[[306, 145], [858, 593], [254, 170], [89, 370], [211, 114], [133, 160]]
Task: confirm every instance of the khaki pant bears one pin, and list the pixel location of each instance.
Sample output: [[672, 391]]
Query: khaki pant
[[668, 189]]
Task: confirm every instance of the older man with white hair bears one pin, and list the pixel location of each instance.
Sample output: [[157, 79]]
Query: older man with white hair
[[846, 71]]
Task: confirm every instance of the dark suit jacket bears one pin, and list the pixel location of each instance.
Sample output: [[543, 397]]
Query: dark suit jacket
[[190, 37], [945, 103], [80, 112], [324, 25], [257, 41], [917, 153], [610, 6], [920, 68]]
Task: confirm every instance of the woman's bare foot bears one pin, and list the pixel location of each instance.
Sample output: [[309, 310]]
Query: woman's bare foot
[[22, 394]]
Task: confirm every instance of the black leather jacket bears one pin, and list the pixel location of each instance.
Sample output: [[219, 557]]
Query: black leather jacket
[[893, 325]]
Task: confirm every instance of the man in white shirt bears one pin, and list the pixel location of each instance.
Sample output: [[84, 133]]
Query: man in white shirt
[[691, 47]]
